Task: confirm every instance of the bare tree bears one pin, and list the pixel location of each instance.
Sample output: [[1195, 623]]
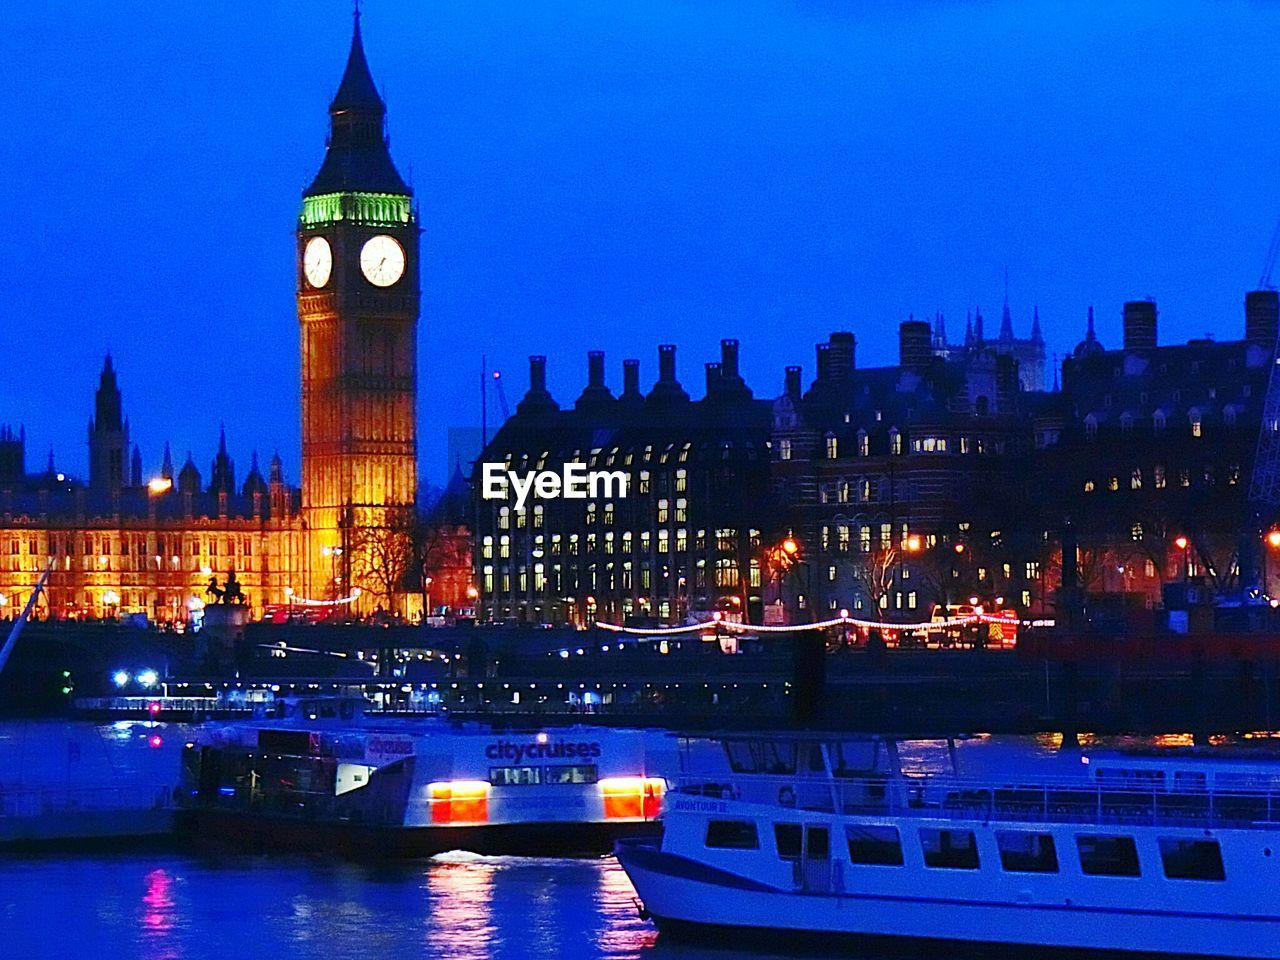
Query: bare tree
[[382, 555]]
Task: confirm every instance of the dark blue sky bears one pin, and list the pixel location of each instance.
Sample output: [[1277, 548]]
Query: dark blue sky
[[614, 175]]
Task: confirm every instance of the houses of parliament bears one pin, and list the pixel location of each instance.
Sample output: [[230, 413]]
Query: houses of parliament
[[128, 543]]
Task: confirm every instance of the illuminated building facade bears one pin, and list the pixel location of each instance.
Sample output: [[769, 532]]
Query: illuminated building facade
[[123, 544], [904, 486], [686, 538]]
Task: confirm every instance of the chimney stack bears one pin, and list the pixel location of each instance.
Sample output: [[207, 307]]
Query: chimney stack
[[729, 359], [1262, 316], [793, 383], [667, 388], [824, 362], [915, 345], [537, 400], [595, 368], [714, 382], [667, 363], [1139, 325], [841, 355], [631, 378]]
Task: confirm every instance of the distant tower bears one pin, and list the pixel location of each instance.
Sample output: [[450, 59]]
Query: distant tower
[[13, 455], [108, 434], [358, 302]]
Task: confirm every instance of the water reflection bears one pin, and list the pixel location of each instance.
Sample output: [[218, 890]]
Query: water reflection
[[460, 910], [156, 917]]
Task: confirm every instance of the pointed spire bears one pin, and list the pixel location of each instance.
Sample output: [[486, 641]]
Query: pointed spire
[[357, 157], [357, 90], [978, 336], [277, 469], [135, 467], [968, 328], [51, 469], [1036, 336], [1006, 318], [166, 468], [1090, 335]]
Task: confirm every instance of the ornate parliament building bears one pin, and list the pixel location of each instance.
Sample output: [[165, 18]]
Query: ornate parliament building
[[124, 543]]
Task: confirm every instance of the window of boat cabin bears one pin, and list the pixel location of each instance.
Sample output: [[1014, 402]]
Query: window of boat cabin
[[1187, 858], [732, 835], [817, 843], [854, 758], [761, 756], [515, 776], [1105, 856], [875, 846], [574, 773], [1022, 852], [787, 836], [1133, 778], [953, 849]]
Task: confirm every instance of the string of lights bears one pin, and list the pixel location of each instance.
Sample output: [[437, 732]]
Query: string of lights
[[948, 623]]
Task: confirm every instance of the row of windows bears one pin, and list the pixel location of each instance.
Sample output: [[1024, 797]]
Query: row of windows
[[931, 443], [92, 545], [1160, 478], [533, 776], [1182, 858]]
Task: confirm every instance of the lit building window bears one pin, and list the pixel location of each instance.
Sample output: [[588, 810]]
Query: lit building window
[[1135, 479], [895, 442], [833, 447], [784, 449], [864, 444]]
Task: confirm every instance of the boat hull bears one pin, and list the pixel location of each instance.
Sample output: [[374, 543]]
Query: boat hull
[[690, 900], [223, 829]]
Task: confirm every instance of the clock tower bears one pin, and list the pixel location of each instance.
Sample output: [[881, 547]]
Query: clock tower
[[358, 301]]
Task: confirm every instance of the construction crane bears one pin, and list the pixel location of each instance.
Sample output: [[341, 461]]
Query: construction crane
[[1273, 251], [484, 399], [502, 395]]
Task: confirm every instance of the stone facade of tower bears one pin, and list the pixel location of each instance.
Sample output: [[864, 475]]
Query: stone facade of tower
[[358, 301]]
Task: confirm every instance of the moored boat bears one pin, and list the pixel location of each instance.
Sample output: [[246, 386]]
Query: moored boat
[[323, 776], [857, 842]]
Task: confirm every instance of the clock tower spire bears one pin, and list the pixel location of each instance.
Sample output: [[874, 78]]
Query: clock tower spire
[[358, 302]]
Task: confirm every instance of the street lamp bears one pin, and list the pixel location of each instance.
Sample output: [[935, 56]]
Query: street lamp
[[1183, 544], [426, 583]]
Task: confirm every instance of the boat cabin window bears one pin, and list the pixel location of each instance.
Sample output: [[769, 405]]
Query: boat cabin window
[[1108, 856], [952, 849], [817, 843], [515, 776], [1141, 778], [854, 758], [1190, 781], [787, 837], [877, 846], [1191, 859], [1027, 852], [761, 756], [575, 773], [732, 835]]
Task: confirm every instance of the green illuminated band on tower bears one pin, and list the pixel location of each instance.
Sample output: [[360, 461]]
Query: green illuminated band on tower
[[372, 208]]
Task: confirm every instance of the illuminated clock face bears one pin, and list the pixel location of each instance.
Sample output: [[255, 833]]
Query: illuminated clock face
[[382, 260], [317, 261]]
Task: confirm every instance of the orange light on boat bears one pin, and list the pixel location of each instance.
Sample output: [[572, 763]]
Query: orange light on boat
[[459, 801], [632, 798]]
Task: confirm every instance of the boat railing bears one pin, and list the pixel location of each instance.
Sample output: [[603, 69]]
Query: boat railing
[[29, 801], [944, 796]]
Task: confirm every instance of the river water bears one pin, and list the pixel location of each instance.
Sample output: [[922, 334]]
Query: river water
[[174, 906]]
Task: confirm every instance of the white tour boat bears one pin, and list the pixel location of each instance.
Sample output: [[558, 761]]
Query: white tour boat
[[323, 776], [841, 841]]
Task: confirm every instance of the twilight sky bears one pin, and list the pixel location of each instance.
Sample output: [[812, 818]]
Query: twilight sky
[[613, 176]]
